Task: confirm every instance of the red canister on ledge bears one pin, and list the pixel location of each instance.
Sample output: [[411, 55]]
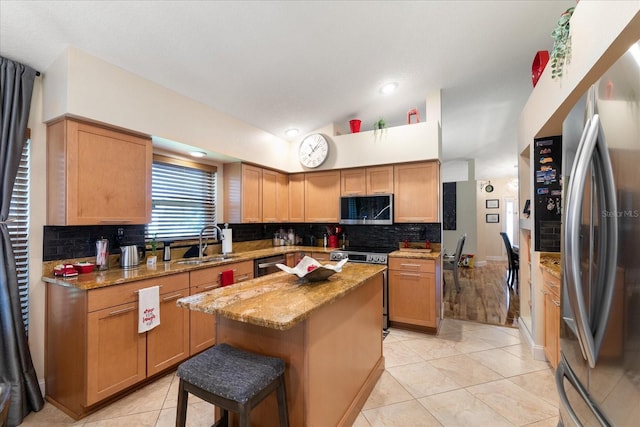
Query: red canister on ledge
[[333, 241]]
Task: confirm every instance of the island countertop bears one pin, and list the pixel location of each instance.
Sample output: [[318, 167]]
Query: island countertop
[[280, 300]]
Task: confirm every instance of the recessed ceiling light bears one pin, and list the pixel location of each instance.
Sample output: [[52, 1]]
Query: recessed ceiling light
[[198, 153], [291, 132], [389, 88]]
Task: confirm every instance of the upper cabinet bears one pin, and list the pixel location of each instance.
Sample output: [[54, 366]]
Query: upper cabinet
[[417, 192], [275, 196], [322, 196], [366, 181], [242, 193], [296, 197], [97, 175]]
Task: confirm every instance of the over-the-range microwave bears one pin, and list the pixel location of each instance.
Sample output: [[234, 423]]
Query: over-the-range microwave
[[377, 209]]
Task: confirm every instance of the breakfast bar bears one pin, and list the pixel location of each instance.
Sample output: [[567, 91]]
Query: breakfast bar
[[328, 333]]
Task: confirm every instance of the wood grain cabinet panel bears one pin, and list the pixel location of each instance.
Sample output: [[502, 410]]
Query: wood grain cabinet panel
[[275, 196], [366, 181], [551, 301], [417, 192], [242, 193], [97, 175], [322, 196], [414, 294], [296, 197], [202, 325]]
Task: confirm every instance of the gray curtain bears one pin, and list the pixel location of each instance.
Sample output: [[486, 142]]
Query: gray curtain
[[16, 366]]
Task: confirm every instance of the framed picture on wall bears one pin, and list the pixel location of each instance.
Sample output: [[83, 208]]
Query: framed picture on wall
[[493, 218], [492, 203]]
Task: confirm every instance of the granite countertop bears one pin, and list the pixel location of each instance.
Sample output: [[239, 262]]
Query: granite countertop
[[280, 300], [551, 262], [414, 254], [116, 276]]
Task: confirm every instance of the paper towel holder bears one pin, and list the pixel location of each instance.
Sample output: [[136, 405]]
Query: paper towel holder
[[226, 237]]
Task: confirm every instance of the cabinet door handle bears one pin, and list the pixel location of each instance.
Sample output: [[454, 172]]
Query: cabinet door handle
[[243, 277], [410, 274], [124, 310], [206, 288], [410, 265], [172, 297]]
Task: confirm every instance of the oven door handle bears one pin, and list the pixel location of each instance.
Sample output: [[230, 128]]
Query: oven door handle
[[271, 264]]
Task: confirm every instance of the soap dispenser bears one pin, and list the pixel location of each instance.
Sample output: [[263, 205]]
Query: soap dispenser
[[166, 255]]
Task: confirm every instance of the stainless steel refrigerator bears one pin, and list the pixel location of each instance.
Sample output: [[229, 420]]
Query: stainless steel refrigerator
[[598, 377]]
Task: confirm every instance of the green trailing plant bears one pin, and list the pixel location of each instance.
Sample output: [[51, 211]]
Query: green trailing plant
[[380, 125], [561, 44]]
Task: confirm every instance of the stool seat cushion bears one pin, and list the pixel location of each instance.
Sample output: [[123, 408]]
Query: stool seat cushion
[[230, 372]]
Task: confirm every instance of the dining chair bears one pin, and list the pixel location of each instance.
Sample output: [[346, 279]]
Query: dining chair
[[454, 264], [513, 261]]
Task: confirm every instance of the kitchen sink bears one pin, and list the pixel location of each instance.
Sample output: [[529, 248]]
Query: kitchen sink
[[204, 260]]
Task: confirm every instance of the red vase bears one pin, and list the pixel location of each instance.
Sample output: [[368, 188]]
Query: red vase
[[539, 62], [355, 125]]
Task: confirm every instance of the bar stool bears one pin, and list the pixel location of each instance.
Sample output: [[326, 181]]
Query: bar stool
[[232, 379]]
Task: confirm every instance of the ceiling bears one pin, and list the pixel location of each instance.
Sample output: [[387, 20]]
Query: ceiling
[[306, 64]]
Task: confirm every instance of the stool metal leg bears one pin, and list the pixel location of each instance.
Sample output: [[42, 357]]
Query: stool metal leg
[[283, 411], [183, 397]]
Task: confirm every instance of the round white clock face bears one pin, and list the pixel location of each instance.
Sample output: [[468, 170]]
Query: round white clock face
[[313, 150]]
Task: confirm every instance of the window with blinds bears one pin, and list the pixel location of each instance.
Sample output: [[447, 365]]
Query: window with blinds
[[18, 226], [183, 199]]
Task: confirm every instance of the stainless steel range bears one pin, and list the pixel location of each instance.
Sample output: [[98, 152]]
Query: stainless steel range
[[370, 256]]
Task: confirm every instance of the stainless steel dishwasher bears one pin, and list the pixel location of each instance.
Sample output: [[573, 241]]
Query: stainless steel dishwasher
[[267, 265]]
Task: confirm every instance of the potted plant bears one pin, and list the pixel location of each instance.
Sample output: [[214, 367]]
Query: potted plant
[[561, 43], [379, 125]]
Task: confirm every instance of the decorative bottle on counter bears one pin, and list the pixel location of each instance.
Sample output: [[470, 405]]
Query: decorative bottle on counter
[[324, 241]]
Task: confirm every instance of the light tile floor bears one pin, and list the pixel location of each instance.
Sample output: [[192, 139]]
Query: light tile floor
[[471, 374]]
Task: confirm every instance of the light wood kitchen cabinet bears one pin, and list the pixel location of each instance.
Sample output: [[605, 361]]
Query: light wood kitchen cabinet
[[322, 196], [92, 346], [242, 193], [97, 175], [296, 197], [551, 291], [366, 181], [275, 196], [414, 293], [322, 257], [168, 343], [417, 192], [203, 325]]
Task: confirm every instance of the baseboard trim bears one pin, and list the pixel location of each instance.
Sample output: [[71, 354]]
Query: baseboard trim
[[537, 351]]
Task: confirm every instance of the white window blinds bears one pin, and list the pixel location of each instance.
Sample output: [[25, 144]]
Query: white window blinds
[[18, 226], [183, 200]]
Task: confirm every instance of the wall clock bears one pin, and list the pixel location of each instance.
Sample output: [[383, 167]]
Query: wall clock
[[313, 150], [488, 188]]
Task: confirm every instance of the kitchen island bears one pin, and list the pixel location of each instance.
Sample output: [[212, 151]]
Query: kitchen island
[[328, 333]]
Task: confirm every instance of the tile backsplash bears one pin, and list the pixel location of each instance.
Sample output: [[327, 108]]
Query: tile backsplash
[[66, 242]]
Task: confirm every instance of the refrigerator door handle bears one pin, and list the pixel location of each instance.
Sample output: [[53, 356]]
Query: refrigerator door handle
[[563, 371], [571, 266], [608, 255]]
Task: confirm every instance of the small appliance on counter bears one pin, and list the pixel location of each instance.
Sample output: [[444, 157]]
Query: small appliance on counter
[[166, 253], [131, 256]]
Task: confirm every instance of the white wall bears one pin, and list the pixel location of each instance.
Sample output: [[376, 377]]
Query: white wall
[[38, 216]]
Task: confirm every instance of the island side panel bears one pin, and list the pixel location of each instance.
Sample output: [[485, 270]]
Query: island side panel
[[333, 358], [344, 355]]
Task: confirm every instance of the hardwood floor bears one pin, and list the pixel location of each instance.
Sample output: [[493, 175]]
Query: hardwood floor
[[483, 297]]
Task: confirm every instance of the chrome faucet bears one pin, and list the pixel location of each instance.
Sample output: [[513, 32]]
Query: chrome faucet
[[206, 227]]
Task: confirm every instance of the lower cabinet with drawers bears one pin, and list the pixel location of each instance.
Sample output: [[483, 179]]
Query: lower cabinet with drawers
[[414, 293], [203, 325], [93, 350]]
